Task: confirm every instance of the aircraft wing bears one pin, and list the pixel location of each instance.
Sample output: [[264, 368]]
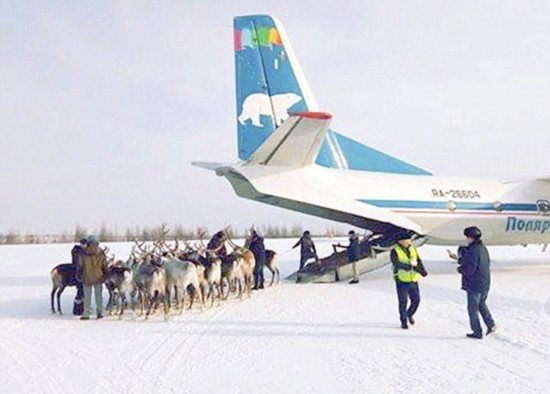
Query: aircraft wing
[[295, 143]]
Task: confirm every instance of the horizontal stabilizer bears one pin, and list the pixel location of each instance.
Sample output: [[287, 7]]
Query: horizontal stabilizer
[[207, 165], [296, 142]]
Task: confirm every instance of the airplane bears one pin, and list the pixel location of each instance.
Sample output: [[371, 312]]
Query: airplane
[[289, 157]]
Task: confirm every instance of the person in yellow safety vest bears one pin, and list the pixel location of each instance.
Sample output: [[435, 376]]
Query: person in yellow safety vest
[[407, 269]]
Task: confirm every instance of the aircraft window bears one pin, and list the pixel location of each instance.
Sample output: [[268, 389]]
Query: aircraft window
[[451, 206], [544, 207], [499, 207]]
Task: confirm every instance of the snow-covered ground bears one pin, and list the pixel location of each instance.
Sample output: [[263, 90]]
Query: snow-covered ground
[[290, 338]]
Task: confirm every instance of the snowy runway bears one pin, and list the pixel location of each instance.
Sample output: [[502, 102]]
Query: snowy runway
[[290, 338]]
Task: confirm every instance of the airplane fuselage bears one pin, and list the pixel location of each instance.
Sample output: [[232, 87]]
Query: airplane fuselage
[[508, 213]]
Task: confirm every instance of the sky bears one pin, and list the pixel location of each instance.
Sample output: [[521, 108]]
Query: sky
[[103, 105]]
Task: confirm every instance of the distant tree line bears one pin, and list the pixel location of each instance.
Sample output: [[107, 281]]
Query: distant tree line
[[107, 234]]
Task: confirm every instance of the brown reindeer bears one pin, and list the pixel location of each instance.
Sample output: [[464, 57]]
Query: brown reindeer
[[248, 262], [272, 264], [63, 275], [232, 274]]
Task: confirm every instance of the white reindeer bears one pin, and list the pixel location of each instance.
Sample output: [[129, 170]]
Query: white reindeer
[[120, 279], [179, 276], [213, 276]]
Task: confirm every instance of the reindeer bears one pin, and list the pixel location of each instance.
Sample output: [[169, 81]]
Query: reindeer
[[154, 280], [232, 274], [248, 262], [213, 269], [110, 285], [120, 279], [202, 282], [63, 275], [180, 275], [193, 256], [157, 271], [272, 264], [230, 271], [213, 275], [150, 281]]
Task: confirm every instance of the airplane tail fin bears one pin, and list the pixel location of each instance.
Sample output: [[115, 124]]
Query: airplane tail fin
[[270, 81], [271, 84]]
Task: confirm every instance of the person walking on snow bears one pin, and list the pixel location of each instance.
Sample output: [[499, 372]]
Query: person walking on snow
[[407, 269], [474, 266], [93, 265]]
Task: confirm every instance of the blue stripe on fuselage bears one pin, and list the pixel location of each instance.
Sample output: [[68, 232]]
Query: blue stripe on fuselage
[[474, 206]]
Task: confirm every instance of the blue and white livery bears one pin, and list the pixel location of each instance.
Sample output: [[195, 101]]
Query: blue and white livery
[[290, 158]]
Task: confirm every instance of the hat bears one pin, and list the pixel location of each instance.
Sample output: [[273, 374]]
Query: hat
[[402, 235], [83, 241], [351, 232], [472, 232], [92, 239]]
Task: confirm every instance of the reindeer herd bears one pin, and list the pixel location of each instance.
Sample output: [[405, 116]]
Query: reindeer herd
[[161, 274]]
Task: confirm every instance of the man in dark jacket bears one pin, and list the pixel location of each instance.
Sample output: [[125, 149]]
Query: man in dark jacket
[[353, 251], [307, 249], [217, 244], [78, 251], [257, 247], [474, 265]]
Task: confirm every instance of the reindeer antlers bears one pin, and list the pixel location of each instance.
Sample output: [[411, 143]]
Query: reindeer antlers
[[163, 232], [233, 244]]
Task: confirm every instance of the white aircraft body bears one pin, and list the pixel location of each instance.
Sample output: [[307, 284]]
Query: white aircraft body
[[290, 158]]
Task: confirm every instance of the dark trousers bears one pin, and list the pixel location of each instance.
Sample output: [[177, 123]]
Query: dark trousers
[[78, 304], [477, 306], [406, 291], [259, 276]]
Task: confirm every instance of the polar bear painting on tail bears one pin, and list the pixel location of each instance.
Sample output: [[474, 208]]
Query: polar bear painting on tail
[[258, 104]]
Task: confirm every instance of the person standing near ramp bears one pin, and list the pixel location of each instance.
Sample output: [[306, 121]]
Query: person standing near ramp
[[474, 265], [353, 252], [407, 269], [307, 249]]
